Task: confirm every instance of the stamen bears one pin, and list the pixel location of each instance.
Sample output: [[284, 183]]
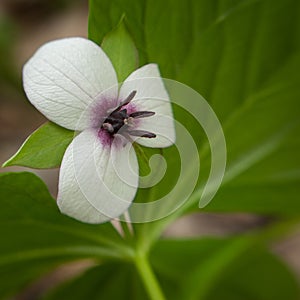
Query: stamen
[[142, 114], [142, 133], [120, 122], [129, 121], [128, 99], [108, 127]]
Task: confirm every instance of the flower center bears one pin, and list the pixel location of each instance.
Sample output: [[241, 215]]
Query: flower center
[[119, 121]]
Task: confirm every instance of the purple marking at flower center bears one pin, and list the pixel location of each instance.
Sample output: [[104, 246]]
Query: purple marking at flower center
[[105, 138], [122, 121]]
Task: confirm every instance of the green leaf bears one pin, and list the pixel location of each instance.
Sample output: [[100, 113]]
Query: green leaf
[[239, 268], [44, 148], [243, 57], [36, 237], [274, 281], [121, 50], [263, 167], [107, 281], [234, 268], [105, 15]]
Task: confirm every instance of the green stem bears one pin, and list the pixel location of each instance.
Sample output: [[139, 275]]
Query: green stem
[[150, 282]]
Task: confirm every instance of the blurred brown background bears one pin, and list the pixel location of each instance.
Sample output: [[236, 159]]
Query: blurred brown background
[[24, 26]]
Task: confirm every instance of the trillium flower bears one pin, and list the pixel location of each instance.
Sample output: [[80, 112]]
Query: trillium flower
[[73, 83]]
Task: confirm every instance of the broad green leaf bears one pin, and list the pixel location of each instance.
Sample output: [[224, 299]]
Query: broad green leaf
[[243, 57], [208, 44], [105, 15], [107, 281], [275, 281], [234, 268], [44, 148], [240, 268], [35, 236], [228, 268], [121, 50]]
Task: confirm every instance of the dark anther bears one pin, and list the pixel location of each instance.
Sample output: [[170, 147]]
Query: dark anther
[[128, 99], [142, 133], [119, 120], [142, 114]]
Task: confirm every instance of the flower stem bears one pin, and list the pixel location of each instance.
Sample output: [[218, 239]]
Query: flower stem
[[150, 282]]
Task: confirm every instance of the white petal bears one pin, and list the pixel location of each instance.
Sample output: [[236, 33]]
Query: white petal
[[64, 77], [97, 182], [151, 96]]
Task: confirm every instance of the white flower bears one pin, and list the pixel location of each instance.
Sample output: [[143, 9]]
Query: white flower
[[73, 83]]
